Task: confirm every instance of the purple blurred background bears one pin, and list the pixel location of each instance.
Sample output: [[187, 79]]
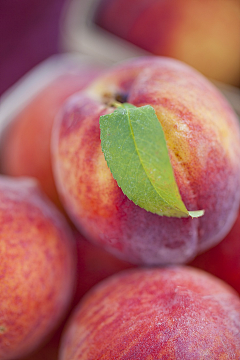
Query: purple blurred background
[[29, 33]]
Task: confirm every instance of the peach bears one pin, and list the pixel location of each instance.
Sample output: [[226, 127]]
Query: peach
[[203, 139], [25, 147], [223, 260], [204, 34], [37, 268], [162, 313]]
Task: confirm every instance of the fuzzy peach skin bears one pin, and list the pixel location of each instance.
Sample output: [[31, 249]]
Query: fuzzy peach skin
[[202, 33], [170, 313], [223, 260], [203, 139], [37, 267], [25, 146]]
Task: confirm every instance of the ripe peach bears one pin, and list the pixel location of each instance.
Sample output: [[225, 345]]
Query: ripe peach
[[37, 268], [163, 313], [204, 34], [203, 140], [223, 260], [25, 147]]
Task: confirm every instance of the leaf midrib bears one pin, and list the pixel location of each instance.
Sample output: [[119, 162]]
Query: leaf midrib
[[132, 132]]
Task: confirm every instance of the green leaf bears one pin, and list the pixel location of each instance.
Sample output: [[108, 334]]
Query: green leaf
[[135, 149]]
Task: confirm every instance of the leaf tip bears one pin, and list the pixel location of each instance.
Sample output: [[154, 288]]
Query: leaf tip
[[196, 213]]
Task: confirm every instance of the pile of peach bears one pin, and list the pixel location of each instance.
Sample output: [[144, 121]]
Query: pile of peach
[[66, 225]]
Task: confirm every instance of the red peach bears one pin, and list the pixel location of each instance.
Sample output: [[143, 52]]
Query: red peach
[[204, 34], [37, 268], [203, 139], [169, 313], [25, 147], [223, 259]]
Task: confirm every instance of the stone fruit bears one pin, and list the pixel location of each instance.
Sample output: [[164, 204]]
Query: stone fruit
[[37, 268], [162, 313], [204, 34], [203, 140]]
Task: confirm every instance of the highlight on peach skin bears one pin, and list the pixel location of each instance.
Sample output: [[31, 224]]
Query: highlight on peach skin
[[38, 267], [203, 141], [173, 313]]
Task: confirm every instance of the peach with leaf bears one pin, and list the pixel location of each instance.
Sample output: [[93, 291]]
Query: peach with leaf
[[146, 161]]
